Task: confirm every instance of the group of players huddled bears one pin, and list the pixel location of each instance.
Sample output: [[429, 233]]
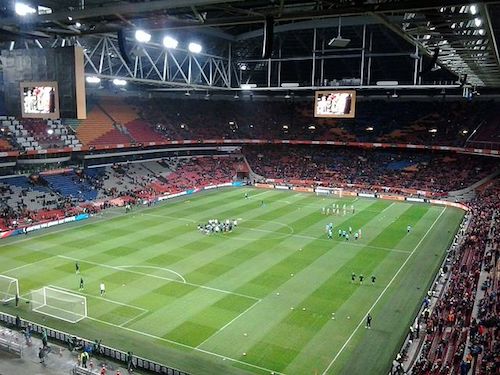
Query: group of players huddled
[[336, 210], [346, 234], [216, 226]]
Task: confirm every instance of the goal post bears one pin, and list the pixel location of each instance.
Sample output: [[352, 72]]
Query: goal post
[[59, 304], [9, 288], [331, 192]]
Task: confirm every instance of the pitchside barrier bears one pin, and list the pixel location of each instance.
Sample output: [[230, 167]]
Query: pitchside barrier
[[117, 355]]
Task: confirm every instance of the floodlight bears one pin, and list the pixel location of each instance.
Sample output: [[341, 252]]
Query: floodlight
[[142, 36], [119, 82], [50, 131], [194, 47], [478, 22], [170, 42], [24, 9], [93, 79], [473, 9]]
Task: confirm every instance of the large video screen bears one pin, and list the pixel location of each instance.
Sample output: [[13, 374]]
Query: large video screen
[[40, 100], [336, 104], [30, 77]]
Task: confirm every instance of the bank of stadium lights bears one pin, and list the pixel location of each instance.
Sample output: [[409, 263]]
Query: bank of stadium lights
[[93, 79], [194, 47], [142, 37], [22, 9], [169, 42], [119, 82]]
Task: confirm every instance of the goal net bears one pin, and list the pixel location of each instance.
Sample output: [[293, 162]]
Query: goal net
[[59, 304], [332, 192], [9, 287]]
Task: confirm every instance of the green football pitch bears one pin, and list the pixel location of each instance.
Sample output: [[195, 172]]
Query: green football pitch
[[273, 296]]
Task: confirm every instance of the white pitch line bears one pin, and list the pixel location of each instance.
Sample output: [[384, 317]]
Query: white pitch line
[[383, 292], [134, 318], [28, 264], [170, 217], [187, 346], [98, 297], [157, 268], [227, 324], [389, 206], [347, 243], [160, 277]]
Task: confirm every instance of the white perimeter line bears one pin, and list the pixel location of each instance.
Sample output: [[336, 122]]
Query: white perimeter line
[[28, 264], [383, 292], [227, 324], [160, 277], [187, 346], [157, 268], [98, 297]]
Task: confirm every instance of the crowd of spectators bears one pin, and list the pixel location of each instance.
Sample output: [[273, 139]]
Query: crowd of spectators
[[434, 122], [338, 167], [463, 329]]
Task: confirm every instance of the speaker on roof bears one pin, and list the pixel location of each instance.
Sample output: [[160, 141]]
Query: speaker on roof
[[122, 46], [267, 45]]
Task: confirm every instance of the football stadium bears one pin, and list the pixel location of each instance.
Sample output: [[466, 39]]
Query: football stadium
[[237, 187]]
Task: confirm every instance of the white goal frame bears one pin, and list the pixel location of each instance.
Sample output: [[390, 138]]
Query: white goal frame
[[336, 192], [40, 306], [6, 295]]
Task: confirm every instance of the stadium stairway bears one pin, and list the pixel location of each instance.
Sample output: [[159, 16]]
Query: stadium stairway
[[468, 193]]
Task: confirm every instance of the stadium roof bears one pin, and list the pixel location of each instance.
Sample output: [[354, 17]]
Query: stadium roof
[[412, 42]]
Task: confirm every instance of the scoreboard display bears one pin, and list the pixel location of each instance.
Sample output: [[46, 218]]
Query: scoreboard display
[[45, 82], [335, 104], [40, 100]]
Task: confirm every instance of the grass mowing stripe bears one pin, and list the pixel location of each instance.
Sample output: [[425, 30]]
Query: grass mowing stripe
[[287, 334], [227, 263], [400, 304], [299, 328], [383, 292]]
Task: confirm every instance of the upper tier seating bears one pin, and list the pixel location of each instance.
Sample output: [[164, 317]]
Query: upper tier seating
[[98, 129]]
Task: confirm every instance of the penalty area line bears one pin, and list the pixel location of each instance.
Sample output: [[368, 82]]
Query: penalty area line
[[98, 297], [382, 294], [185, 346], [158, 268], [227, 324], [118, 268]]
